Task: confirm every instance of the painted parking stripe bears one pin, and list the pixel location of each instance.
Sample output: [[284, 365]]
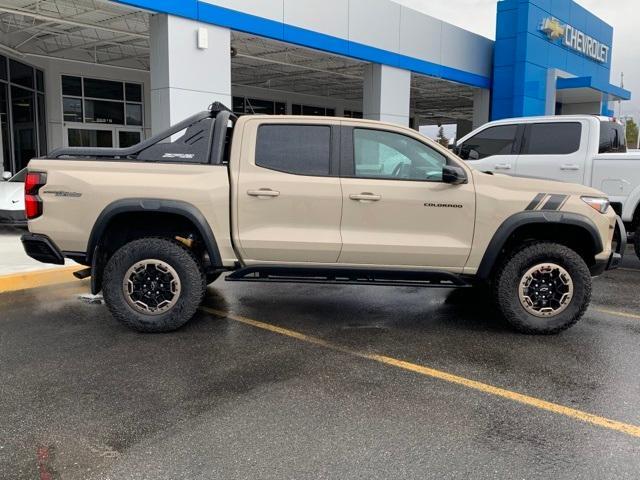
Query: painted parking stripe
[[540, 404], [617, 313], [38, 278]]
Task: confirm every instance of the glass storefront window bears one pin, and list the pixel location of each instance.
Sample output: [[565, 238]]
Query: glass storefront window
[[99, 111], [3, 68], [133, 92], [134, 114], [71, 86], [24, 126], [21, 74], [243, 105], [72, 108], [127, 139], [4, 129], [106, 89], [90, 100], [80, 137], [23, 121], [40, 80]]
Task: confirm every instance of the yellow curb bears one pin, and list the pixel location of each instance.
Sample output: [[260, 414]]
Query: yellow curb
[[40, 278]]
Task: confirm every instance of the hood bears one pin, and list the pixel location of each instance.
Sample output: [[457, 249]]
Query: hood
[[11, 196], [537, 184]]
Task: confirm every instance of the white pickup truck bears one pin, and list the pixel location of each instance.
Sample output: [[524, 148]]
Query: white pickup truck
[[584, 149]]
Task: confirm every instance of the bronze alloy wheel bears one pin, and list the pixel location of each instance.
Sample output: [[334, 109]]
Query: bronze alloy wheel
[[545, 290], [151, 287]]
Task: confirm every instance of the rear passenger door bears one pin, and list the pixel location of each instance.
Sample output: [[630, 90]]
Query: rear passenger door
[[288, 194], [555, 150], [494, 149]]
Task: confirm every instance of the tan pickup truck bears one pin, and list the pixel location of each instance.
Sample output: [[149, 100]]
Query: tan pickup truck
[[311, 199]]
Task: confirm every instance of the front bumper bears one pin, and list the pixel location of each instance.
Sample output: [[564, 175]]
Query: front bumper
[[617, 254], [13, 218], [42, 248]]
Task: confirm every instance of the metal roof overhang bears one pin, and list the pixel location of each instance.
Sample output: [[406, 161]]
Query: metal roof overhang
[[589, 89], [107, 33]]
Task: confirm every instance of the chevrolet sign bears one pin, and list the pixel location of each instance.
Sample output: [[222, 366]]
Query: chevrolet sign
[[575, 39]]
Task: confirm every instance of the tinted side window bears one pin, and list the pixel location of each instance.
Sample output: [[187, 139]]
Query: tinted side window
[[380, 154], [553, 138], [299, 149], [612, 138], [497, 140]]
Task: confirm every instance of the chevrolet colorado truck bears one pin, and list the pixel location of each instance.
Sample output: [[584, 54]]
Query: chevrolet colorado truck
[[586, 149], [311, 199]]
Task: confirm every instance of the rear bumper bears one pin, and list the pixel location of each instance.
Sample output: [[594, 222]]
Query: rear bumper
[[13, 217], [617, 254], [42, 248]]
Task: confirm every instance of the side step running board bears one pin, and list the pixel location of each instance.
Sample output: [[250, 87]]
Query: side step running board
[[347, 276]]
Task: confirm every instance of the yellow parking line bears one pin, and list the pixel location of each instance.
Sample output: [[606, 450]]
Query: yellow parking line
[[603, 422], [39, 278], [618, 313]]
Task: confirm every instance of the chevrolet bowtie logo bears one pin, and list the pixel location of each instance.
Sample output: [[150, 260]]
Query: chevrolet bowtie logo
[[553, 28]]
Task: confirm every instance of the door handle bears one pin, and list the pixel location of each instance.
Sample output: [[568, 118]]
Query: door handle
[[503, 166], [263, 192], [365, 197], [570, 166]]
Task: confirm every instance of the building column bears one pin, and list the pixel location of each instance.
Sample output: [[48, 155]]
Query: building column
[[190, 68], [481, 107], [387, 94]]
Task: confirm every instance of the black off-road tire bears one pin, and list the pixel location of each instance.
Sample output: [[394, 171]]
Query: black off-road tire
[[190, 272], [507, 280], [636, 241]]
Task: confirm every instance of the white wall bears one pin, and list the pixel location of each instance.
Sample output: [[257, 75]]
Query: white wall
[[53, 71]]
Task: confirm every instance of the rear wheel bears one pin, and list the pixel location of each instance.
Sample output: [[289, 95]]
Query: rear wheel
[[543, 288], [636, 241], [153, 285]]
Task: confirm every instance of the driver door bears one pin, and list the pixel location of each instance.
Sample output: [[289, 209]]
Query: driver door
[[396, 209]]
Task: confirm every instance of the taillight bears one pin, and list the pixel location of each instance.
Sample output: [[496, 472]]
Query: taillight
[[32, 201]]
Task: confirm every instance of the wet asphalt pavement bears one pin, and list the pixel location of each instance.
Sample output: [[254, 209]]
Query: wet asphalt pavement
[[82, 397]]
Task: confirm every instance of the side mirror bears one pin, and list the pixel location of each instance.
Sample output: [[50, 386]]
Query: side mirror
[[453, 175], [6, 176], [473, 155]]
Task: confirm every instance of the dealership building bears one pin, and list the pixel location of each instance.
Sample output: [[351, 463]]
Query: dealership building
[[110, 73]]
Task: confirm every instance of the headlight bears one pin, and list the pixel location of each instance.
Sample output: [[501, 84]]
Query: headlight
[[601, 204]]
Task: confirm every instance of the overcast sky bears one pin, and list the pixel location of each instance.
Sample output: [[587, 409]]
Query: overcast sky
[[479, 16]]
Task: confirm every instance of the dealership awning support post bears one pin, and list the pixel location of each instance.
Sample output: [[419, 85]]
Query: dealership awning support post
[[190, 68], [387, 94]]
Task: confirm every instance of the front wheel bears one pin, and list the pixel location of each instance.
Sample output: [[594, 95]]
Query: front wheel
[[153, 285], [543, 288], [636, 241]]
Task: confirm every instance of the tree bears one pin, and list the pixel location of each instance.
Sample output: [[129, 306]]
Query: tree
[[440, 138], [632, 133]]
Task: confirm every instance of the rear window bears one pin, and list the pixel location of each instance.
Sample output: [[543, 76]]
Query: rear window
[[612, 138], [552, 138], [298, 149]]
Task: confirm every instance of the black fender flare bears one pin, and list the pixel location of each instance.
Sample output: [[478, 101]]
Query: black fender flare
[[520, 219], [177, 207]]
